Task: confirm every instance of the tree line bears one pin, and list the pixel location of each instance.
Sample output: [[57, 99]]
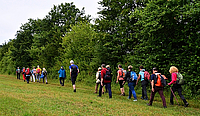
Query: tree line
[[152, 33]]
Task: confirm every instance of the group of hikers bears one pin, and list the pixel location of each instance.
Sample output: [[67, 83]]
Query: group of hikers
[[104, 78], [157, 81], [39, 73]]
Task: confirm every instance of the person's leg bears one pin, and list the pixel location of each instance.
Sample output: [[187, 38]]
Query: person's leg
[[96, 87], [179, 89], [152, 96], [160, 91], [63, 81], [100, 90], [145, 90], [73, 78], [134, 93], [46, 79], [33, 76], [109, 89], [37, 77], [172, 96], [130, 91]]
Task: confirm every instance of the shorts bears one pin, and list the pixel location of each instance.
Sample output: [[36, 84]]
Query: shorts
[[121, 83], [73, 79]]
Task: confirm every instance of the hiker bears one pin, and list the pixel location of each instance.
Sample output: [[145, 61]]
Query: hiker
[[98, 80], [33, 72], [38, 73], [176, 87], [73, 73], [18, 71], [131, 78], [108, 67], [144, 83], [105, 80], [24, 73], [44, 72], [157, 86], [120, 79], [62, 75], [28, 74]]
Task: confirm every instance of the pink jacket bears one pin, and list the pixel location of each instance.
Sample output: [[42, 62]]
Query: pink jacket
[[174, 78]]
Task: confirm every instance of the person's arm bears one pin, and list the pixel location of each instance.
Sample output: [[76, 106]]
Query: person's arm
[[117, 77], [174, 76], [70, 72], [152, 85], [97, 75], [138, 79], [102, 75]]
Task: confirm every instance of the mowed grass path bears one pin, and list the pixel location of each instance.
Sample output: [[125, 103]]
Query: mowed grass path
[[19, 98]]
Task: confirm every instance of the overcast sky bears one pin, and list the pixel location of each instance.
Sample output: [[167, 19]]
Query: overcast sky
[[14, 13]]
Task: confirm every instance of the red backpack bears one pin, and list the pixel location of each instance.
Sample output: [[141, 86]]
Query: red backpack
[[28, 71], [146, 75]]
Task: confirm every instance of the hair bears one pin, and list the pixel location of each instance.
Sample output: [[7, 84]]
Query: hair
[[103, 65], [99, 68], [141, 67], [173, 69], [34, 67], [130, 67], [155, 68], [107, 66], [120, 66]]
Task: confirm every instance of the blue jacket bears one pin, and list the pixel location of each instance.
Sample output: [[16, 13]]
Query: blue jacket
[[62, 73]]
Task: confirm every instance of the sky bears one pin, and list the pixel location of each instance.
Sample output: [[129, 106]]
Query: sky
[[14, 13]]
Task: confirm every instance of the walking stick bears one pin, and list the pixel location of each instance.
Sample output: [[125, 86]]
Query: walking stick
[[174, 95]]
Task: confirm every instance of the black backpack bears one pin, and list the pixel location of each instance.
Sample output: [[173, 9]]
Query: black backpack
[[74, 69], [45, 73], [99, 75], [108, 75]]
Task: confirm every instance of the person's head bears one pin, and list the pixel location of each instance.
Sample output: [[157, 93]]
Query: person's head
[[119, 66], [71, 62], [141, 67], [107, 66], [23, 67], [17, 67], [99, 68], [130, 68], [44, 69], [33, 67], [38, 66], [61, 67], [103, 66], [155, 70], [173, 69]]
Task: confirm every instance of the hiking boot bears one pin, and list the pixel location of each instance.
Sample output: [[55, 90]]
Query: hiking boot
[[98, 96], [171, 104], [128, 98], [142, 98], [123, 94], [165, 106], [135, 100], [186, 105], [95, 92], [74, 89], [46, 83], [149, 104], [146, 99]]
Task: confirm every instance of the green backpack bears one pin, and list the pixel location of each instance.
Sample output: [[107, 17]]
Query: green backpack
[[180, 79]]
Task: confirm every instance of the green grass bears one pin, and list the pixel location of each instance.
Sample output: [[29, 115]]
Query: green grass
[[19, 98]]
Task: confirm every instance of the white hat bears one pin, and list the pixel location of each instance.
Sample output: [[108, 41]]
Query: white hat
[[71, 62], [99, 68]]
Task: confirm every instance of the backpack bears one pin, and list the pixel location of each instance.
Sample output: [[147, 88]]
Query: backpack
[[44, 73], [107, 75], [99, 75], [160, 81], [34, 71], [18, 71], [123, 73], [38, 70], [27, 72], [180, 79], [146, 75], [133, 76], [74, 69]]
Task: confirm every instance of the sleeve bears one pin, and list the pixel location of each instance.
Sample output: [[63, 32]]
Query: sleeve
[[70, 67], [174, 77], [152, 76], [97, 75], [76, 66]]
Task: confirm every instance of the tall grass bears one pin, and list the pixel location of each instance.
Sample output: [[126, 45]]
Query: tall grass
[[19, 98]]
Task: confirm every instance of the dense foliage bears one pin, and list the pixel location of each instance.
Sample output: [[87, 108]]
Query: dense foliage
[[152, 33]]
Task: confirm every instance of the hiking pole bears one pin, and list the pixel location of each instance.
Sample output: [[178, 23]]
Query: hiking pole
[[174, 95]]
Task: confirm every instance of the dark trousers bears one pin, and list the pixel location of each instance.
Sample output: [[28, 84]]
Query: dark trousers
[[18, 75], [160, 91], [178, 88], [27, 79], [108, 85], [62, 80], [144, 89]]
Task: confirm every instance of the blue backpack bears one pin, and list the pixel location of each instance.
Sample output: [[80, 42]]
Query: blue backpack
[[133, 76]]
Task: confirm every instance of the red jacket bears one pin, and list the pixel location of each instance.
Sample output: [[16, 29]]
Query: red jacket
[[103, 73], [174, 78]]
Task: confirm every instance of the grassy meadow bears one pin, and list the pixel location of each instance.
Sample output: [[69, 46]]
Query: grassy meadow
[[38, 99]]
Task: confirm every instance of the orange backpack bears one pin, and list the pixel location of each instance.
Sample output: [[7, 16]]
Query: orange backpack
[[158, 83]]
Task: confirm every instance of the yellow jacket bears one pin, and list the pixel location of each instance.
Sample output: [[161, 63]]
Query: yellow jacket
[[37, 70]]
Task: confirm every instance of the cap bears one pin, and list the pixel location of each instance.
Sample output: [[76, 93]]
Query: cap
[[71, 62]]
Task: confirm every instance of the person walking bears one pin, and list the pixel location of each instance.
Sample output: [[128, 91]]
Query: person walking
[[120, 79], [131, 78], [105, 80], [44, 72], [73, 73], [62, 75], [18, 71], [24, 73], [28, 74], [38, 73], [176, 87], [157, 87], [143, 82], [33, 72], [98, 80]]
